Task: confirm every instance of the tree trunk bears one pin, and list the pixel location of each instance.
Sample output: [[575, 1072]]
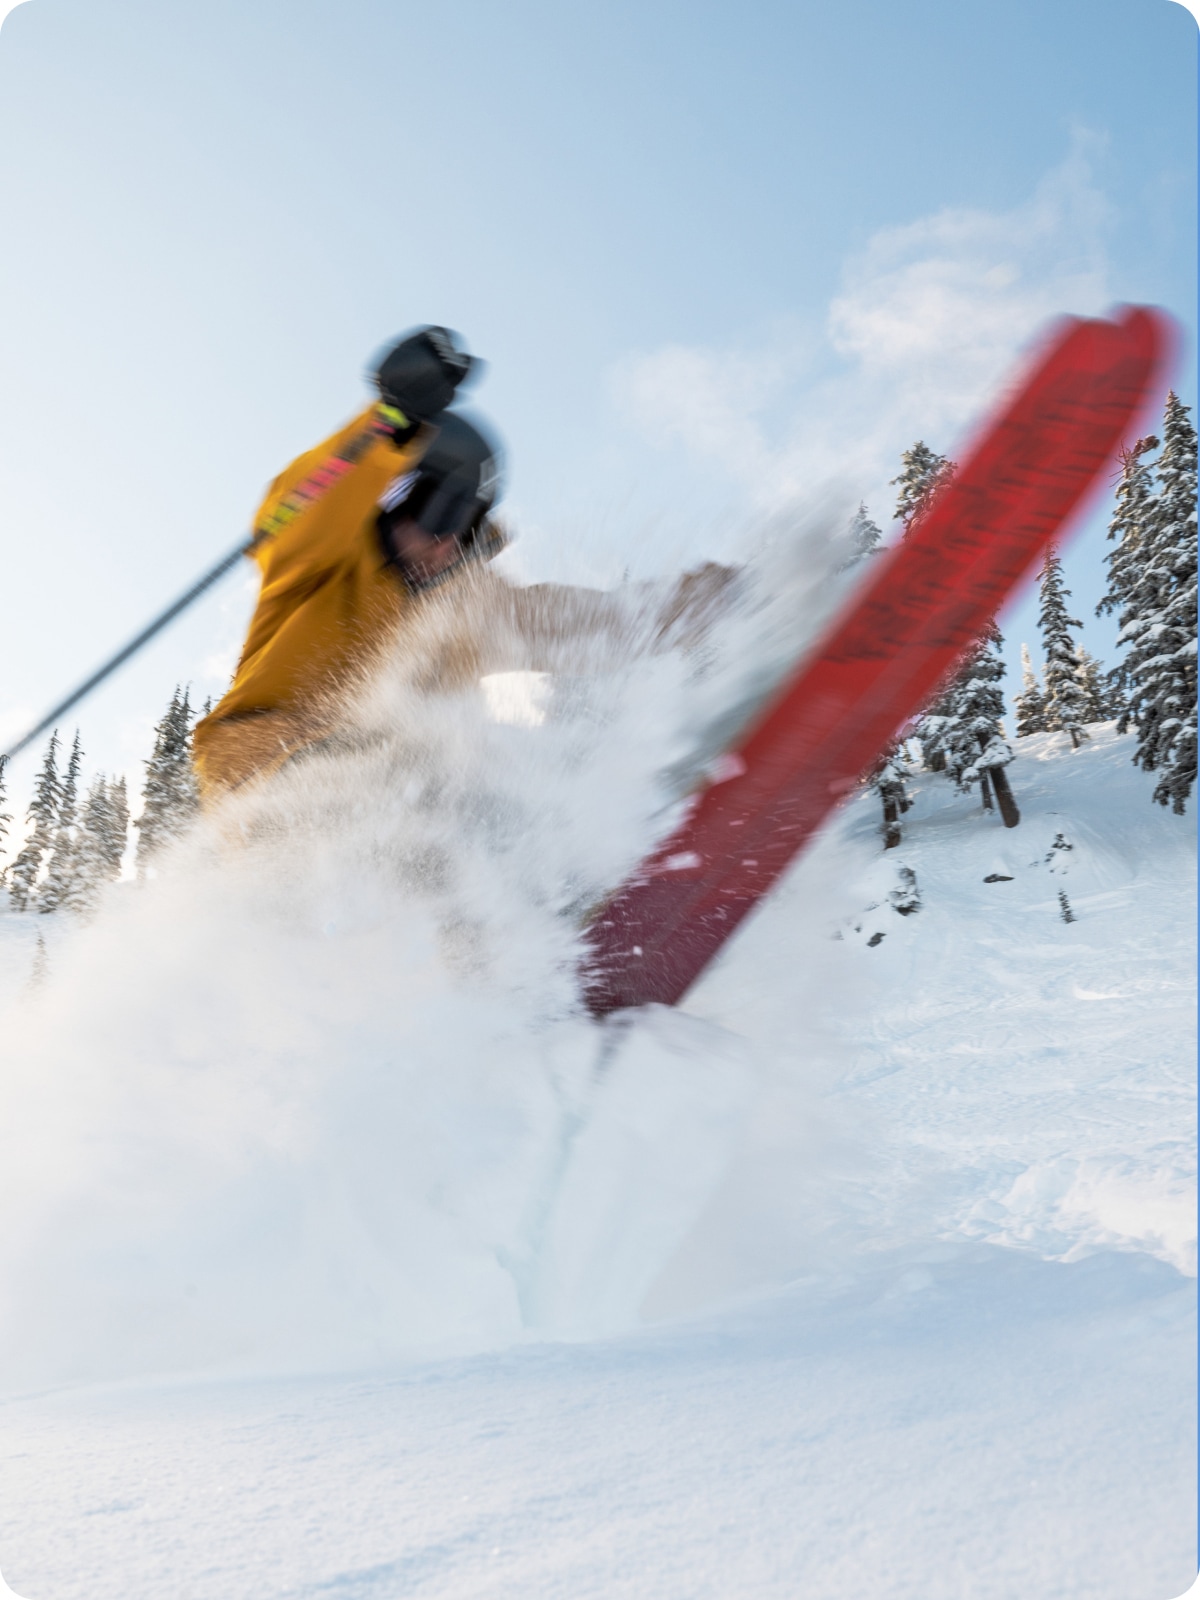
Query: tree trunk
[[985, 790], [1004, 797], [891, 824]]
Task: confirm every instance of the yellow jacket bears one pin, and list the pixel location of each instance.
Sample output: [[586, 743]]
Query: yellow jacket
[[327, 602]]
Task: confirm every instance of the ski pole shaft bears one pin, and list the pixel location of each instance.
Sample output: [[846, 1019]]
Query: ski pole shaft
[[379, 425], [135, 644]]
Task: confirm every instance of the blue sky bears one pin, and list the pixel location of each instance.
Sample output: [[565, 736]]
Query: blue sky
[[714, 254]]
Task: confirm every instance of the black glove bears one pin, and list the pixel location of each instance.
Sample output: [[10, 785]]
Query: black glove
[[419, 376]]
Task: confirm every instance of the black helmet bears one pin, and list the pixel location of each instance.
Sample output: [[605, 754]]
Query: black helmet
[[453, 486], [420, 374]]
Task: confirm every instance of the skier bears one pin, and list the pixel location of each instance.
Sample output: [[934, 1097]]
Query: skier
[[351, 534]]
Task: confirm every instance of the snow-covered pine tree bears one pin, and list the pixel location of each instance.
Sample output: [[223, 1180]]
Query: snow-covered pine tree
[[1129, 527], [974, 741], [932, 729], [1152, 587], [865, 536], [89, 857], [1129, 523], [888, 778], [43, 813], [5, 816], [116, 836], [1065, 698], [924, 474], [169, 796], [1161, 664], [1099, 704], [1116, 699], [101, 838], [962, 733], [1031, 702], [890, 773], [60, 868]]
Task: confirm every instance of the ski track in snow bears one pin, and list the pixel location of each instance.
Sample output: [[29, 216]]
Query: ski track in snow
[[871, 1271]]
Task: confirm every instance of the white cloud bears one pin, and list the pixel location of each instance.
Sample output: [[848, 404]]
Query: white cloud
[[709, 400], [929, 318]]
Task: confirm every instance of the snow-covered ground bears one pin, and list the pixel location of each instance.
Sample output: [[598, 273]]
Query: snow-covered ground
[[331, 1267]]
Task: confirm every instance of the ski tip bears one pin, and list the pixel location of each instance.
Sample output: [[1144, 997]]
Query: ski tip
[[1153, 339]]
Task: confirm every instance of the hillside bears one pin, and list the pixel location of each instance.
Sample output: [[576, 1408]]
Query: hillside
[[912, 1220]]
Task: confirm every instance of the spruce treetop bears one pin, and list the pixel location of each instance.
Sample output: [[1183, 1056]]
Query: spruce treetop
[[962, 733], [924, 475], [865, 535], [1097, 698], [100, 845], [116, 835], [43, 813], [1129, 523], [1031, 702], [1162, 632], [1152, 588], [1065, 696], [169, 796], [61, 866]]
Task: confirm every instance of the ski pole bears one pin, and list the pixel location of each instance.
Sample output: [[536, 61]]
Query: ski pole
[[134, 645], [304, 495]]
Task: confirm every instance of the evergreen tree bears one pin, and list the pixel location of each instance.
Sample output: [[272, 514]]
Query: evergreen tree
[[5, 817], [865, 536], [961, 732], [117, 833], [1031, 702], [100, 844], [1162, 658], [933, 728], [1152, 587], [1116, 700], [60, 869], [43, 813], [925, 473], [169, 796], [1099, 704], [90, 860], [888, 778], [1129, 526], [972, 735], [1065, 695]]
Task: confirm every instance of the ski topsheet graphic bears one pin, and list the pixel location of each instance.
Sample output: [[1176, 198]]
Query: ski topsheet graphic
[[920, 606]]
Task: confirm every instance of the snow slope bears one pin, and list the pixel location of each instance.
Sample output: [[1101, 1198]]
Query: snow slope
[[872, 1272], [974, 1423]]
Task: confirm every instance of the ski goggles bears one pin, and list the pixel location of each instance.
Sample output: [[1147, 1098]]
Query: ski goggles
[[440, 507]]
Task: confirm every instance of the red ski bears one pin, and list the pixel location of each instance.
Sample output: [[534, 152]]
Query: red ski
[[922, 604]]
